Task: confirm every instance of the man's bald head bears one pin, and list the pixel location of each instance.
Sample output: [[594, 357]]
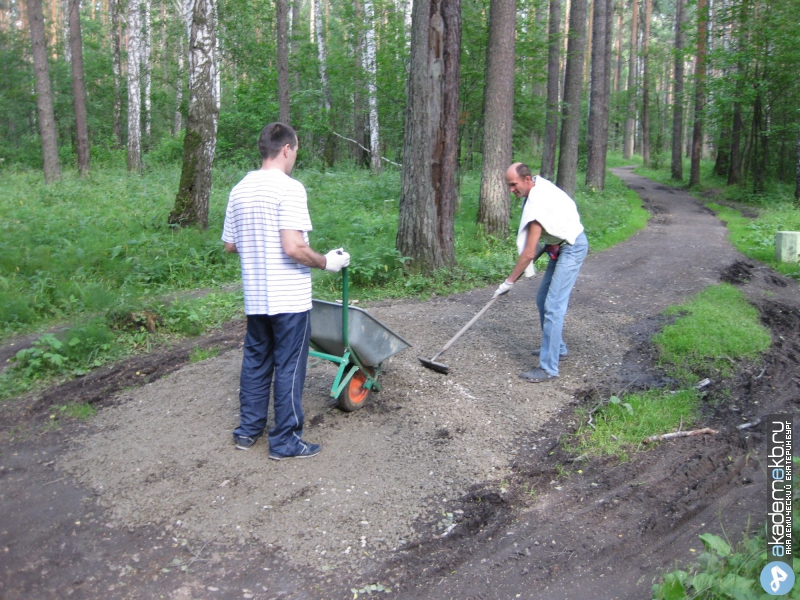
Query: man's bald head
[[519, 180]]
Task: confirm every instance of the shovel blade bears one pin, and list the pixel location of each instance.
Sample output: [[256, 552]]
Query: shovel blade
[[434, 366]]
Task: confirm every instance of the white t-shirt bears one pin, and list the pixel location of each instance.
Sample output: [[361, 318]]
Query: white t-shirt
[[260, 205], [554, 210]]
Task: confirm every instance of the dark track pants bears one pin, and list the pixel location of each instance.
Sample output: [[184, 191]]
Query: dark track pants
[[275, 354]]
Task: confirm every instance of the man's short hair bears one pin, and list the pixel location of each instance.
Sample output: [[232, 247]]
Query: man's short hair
[[274, 137], [524, 170]]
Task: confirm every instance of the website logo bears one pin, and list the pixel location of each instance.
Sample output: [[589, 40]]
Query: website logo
[[777, 578]]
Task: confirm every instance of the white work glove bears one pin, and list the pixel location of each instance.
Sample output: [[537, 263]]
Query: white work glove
[[336, 259], [503, 289]]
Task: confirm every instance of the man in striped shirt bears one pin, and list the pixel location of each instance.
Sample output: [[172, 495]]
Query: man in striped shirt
[[267, 224]]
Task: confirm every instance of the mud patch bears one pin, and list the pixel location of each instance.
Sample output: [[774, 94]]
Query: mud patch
[[739, 272]]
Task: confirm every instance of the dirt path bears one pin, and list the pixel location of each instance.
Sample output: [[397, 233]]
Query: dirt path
[[151, 498]]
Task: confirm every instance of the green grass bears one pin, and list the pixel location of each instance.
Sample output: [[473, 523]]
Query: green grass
[[716, 328], [755, 238], [712, 331], [620, 427], [98, 253]]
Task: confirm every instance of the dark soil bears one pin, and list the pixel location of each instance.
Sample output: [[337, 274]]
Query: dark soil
[[554, 527]]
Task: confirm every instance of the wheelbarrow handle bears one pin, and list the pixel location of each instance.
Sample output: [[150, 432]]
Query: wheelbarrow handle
[[345, 304]]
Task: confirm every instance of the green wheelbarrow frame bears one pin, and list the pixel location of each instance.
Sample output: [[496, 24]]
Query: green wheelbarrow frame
[[358, 346]]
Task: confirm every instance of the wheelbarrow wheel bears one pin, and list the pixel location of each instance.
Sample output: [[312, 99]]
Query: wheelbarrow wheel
[[354, 395]]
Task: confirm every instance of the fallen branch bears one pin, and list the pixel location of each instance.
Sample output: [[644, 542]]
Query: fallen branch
[[748, 425], [367, 150], [679, 434]]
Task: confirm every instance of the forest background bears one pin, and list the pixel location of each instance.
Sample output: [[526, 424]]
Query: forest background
[[671, 82]]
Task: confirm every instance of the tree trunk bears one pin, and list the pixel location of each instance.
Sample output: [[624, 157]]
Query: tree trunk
[[598, 100], [293, 36], [147, 70], [677, 106], [428, 197], [723, 162], [191, 202], [78, 86], [648, 13], [329, 145], [630, 122], [573, 82], [281, 17], [44, 95], [700, 91], [371, 72], [177, 116], [618, 70], [358, 102], [116, 67], [494, 209], [548, 170], [134, 86], [797, 174], [322, 59]]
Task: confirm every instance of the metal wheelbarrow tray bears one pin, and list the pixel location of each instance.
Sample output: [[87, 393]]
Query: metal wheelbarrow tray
[[357, 342]]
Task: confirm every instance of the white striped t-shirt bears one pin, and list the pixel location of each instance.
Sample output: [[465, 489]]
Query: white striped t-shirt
[[260, 205]]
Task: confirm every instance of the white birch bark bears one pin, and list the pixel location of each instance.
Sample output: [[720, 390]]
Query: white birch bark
[[134, 86], [147, 67], [371, 71], [312, 15], [322, 59]]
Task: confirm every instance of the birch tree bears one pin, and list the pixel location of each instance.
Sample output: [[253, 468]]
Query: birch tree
[[425, 231], [134, 86], [371, 71], [44, 94], [78, 86], [494, 205], [147, 68], [191, 201]]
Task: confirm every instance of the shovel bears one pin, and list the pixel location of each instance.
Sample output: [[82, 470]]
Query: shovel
[[443, 368]]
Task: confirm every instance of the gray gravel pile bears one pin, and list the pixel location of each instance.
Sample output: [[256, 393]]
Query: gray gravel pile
[[163, 454]]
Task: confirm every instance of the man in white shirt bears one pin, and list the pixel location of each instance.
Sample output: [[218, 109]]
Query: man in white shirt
[[549, 216], [267, 224]]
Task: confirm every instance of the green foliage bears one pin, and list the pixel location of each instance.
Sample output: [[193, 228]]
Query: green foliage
[[82, 412], [755, 238], [619, 426], [714, 329]]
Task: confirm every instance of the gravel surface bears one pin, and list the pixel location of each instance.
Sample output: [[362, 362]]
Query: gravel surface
[[163, 454]]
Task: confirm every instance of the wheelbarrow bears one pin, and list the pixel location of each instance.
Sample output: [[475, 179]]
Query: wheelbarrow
[[356, 341]]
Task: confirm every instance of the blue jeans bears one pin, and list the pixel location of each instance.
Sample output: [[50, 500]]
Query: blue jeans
[[275, 350], [552, 300]]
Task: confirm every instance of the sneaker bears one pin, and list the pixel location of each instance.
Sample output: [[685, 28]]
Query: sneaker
[[537, 375], [244, 442], [538, 351], [306, 451]]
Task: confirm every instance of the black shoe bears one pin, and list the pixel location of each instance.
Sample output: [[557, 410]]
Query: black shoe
[[244, 442], [537, 376], [538, 351], [306, 451]]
